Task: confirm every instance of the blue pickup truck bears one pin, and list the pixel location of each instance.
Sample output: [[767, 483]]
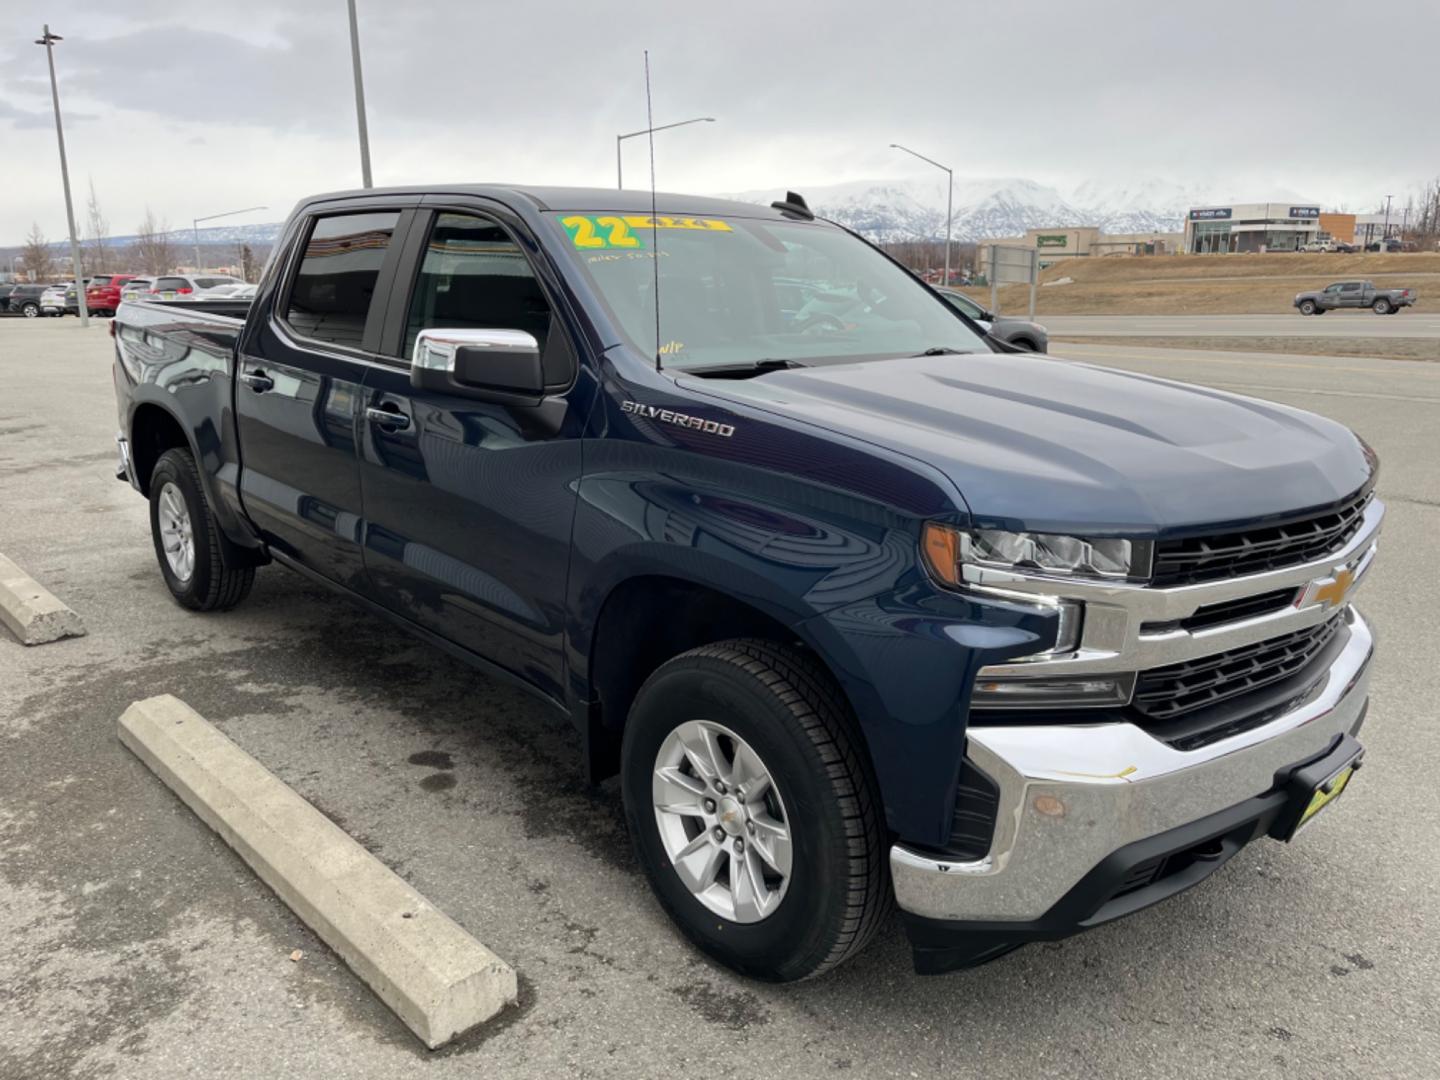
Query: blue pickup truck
[[863, 611]]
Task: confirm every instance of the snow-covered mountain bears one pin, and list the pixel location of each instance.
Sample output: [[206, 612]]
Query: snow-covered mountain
[[914, 209]]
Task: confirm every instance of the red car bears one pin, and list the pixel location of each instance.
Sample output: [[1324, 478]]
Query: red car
[[102, 296]]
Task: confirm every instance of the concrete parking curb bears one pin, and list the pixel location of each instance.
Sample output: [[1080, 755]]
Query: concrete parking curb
[[437, 978], [30, 611]]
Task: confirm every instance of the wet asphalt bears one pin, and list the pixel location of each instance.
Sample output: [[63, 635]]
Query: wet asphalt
[[133, 943]]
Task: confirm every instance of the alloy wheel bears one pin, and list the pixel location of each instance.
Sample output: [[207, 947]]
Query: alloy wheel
[[177, 537], [722, 821]]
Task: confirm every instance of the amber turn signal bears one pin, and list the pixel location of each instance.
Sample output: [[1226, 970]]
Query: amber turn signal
[[941, 545]]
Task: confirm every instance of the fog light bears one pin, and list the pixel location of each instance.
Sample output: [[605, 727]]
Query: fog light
[[1019, 692]]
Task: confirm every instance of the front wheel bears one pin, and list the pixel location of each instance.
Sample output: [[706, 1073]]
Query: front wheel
[[753, 811], [1381, 306], [1307, 307], [187, 539]]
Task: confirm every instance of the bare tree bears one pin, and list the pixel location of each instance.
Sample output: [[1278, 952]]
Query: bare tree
[[153, 249], [97, 238], [36, 255]]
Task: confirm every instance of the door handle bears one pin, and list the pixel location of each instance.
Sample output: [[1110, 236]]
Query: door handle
[[390, 419], [257, 381]]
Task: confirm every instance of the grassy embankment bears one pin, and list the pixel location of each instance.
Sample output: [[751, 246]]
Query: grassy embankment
[[1211, 284]]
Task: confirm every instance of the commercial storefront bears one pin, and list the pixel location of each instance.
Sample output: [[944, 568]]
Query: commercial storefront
[[1250, 227]]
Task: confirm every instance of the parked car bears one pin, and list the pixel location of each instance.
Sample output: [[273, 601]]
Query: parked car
[[52, 300], [1354, 294], [858, 609], [177, 286], [25, 300], [1391, 245], [1345, 246], [234, 290], [102, 295], [135, 288], [1318, 245], [1021, 333]]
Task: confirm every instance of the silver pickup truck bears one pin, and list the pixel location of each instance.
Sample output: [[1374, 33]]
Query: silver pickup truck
[[1354, 294]]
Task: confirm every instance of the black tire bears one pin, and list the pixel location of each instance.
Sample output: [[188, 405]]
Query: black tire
[[1307, 307], [1024, 344], [786, 706], [30, 311], [1381, 306], [212, 584]]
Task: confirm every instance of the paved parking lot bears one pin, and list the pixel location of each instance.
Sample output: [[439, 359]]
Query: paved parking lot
[[137, 944]]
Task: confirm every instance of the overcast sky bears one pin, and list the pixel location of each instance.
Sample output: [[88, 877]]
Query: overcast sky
[[195, 108]]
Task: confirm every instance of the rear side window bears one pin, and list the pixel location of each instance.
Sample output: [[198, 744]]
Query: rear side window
[[335, 284]]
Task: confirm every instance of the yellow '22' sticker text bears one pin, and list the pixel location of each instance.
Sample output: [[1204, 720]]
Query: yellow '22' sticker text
[[592, 231]]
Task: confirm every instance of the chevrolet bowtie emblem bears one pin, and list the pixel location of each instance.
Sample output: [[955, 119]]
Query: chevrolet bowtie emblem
[[1330, 591]]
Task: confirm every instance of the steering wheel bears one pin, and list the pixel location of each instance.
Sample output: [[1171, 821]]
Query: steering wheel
[[821, 321]]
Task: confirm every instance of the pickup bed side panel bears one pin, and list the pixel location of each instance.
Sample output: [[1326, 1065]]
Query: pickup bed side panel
[[180, 362], [820, 538]]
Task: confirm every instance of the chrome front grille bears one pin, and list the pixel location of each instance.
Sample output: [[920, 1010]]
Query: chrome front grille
[[1166, 693], [1254, 551]]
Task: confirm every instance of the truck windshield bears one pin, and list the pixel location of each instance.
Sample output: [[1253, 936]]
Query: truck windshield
[[735, 291]]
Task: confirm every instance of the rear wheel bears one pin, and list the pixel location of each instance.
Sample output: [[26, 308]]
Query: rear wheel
[[1381, 306], [753, 811], [1024, 343], [188, 541]]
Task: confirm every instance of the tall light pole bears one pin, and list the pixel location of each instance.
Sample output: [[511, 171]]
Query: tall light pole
[[1385, 231], [949, 202], [195, 226], [48, 40], [619, 175], [360, 99]]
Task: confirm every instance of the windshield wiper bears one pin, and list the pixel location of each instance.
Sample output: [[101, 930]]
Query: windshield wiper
[[944, 350], [741, 371]]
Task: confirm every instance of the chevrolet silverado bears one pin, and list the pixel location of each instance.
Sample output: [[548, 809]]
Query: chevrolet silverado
[[861, 611]]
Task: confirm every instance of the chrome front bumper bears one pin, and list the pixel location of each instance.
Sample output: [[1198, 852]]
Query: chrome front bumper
[[1071, 795]]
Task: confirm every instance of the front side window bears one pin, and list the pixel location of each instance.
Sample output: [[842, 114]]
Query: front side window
[[335, 283], [965, 304], [737, 290], [474, 276]]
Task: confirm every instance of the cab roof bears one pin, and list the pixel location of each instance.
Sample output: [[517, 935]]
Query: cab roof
[[630, 200]]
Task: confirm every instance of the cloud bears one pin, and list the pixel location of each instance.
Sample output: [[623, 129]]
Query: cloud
[[804, 94]]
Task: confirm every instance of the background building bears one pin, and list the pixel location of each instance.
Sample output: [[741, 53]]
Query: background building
[[1250, 227], [1068, 242]]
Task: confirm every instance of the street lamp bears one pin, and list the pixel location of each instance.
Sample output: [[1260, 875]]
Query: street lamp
[[195, 227], [1385, 230], [48, 40], [359, 99], [949, 202], [620, 176]]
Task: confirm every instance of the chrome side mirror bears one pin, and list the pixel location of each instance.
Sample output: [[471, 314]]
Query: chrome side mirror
[[499, 365]]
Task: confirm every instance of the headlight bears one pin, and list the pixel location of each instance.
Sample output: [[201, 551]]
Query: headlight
[[952, 553]]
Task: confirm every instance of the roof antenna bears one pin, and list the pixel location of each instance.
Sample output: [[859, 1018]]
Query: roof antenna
[[654, 225]]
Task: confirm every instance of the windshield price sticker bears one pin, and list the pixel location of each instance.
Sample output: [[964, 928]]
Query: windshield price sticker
[[590, 232]]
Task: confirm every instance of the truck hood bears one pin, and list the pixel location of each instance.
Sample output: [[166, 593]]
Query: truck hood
[[1052, 445]]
